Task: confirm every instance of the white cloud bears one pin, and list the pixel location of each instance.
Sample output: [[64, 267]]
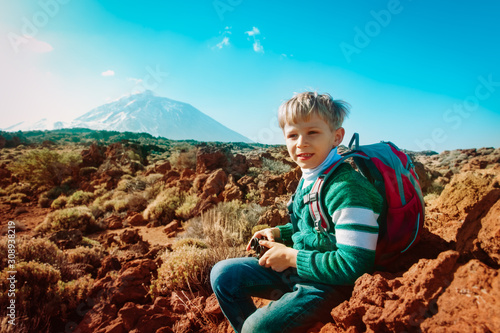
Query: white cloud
[[224, 42], [257, 46], [109, 72], [225, 39], [255, 31], [34, 45], [133, 79]]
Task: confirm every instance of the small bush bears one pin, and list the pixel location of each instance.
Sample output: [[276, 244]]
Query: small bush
[[69, 218], [45, 167], [60, 202], [80, 198], [74, 293], [41, 250], [275, 167], [228, 223], [86, 171], [191, 242], [184, 210], [36, 295], [17, 198], [185, 158], [188, 268], [131, 185], [163, 208], [44, 201], [85, 255]]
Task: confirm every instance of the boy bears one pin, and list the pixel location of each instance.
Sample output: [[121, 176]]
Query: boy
[[305, 272]]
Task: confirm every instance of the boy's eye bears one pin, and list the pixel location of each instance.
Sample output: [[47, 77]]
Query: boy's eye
[[292, 136], [312, 132]]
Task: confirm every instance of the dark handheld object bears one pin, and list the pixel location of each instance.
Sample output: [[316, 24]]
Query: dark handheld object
[[259, 249]]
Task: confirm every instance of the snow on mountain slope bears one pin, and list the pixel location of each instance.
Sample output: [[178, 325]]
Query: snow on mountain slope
[[158, 116], [146, 112]]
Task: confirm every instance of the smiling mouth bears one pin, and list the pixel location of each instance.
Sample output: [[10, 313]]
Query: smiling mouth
[[304, 156]]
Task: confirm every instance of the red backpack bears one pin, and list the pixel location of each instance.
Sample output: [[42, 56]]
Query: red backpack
[[393, 174]]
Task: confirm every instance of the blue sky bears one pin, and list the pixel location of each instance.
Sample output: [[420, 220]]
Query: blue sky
[[422, 74]]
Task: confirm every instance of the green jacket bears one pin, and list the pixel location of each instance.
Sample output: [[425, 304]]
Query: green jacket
[[347, 251]]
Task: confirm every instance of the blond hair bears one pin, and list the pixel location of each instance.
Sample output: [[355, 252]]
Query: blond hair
[[302, 106]]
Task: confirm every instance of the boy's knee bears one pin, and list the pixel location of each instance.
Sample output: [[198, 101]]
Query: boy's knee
[[221, 274], [216, 274], [258, 322]]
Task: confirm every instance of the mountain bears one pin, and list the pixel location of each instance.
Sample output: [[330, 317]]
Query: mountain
[[40, 125], [145, 112], [158, 116]]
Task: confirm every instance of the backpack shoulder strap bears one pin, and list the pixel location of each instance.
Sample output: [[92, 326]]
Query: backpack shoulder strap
[[314, 199]]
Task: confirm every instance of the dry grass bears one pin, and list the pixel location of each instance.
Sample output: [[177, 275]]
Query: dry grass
[[228, 223], [188, 268]]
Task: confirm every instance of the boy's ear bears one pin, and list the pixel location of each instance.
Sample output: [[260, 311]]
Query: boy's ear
[[339, 136]]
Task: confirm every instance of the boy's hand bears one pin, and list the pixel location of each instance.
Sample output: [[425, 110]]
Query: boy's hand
[[270, 233], [279, 257]]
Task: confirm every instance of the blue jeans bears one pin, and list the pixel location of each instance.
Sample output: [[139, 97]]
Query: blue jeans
[[297, 303]]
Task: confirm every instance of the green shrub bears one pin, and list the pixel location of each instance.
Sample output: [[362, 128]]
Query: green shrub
[[44, 201], [184, 158], [132, 185], [275, 167], [86, 171], [190, 202], [189, 242], [163, 208], [80, 198], [74, 293], [41, 250], [60, 202], [69, 218], [45, 167], [85, 255], [36, 295]]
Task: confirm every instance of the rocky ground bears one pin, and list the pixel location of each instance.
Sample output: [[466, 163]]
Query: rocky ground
[[449, 282]]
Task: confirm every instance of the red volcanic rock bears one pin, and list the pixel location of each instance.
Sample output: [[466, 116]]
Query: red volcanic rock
[[130, 284], [129, 314], [273, 217], [109, 263], [479, 236], [232, 192], [99, 317], [93, 157], [67, 239], [463, 192], [130, 236], [163, 168], [238, 165], [212, 305], [113, 222], [187, 174], [172, 227], [385, 303], [470, 303], [210, 158], [136, 220], [215, 183]]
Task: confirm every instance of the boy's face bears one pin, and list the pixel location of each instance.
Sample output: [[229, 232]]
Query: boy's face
[[310, 142]]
